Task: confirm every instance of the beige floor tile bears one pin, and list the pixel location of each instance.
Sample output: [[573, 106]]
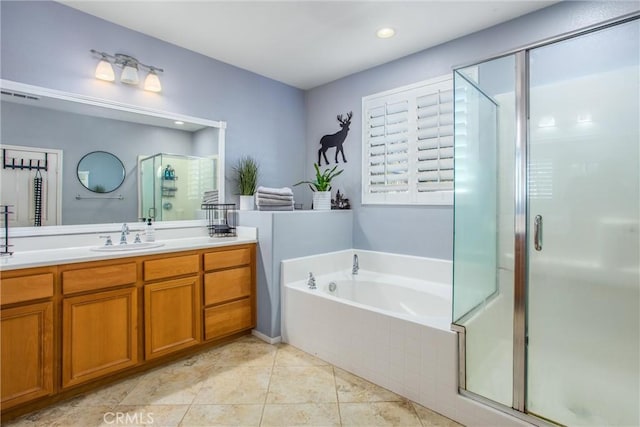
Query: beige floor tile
[[302, 385], [431, 418], [168, 386], [222, 415], [301, 414], [352, 388], [379, 414], [288, 355], [247, 351], [141, 415], [228, 385], [110, 395], [63, 415], [235, 385]]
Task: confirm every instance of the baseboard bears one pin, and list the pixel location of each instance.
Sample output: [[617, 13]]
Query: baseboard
[[266, 338]]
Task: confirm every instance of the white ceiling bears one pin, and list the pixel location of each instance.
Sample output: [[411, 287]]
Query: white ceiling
[[306, 43]]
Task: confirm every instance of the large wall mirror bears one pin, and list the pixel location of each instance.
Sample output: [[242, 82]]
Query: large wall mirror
[[81, 138]]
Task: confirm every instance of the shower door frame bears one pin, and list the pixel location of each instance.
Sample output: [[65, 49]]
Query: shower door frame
[[519, 396]]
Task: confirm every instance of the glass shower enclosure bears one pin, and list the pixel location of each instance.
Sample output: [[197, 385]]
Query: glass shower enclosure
[[172, 186], [546, 232]]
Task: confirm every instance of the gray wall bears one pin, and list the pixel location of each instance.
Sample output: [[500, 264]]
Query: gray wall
[[47, 44], [284, 235], [205, 142], [425, 230], [77, 135]]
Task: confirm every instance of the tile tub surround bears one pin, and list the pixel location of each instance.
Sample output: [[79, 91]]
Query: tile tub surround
[[71, 244], [246, 382], [411, 359]]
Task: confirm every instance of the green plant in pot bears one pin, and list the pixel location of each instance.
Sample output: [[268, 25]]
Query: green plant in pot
[[247, 172], [321, 187]]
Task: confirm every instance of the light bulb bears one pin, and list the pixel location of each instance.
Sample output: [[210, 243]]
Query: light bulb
[[129, 75], [104, 71], [385, 33], [152, 82]]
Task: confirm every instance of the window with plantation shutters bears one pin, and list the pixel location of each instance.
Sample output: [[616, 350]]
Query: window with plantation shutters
[[407, 149]]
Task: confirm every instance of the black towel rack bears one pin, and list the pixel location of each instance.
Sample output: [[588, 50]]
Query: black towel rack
[[32, 165]]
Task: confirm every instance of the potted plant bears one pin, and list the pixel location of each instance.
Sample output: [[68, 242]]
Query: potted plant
[[321, 187], [246, 170]]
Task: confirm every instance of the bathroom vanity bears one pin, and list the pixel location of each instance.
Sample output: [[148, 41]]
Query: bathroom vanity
[[71, 326]]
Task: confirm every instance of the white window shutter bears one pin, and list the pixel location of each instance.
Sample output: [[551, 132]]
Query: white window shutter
[[408, 145]]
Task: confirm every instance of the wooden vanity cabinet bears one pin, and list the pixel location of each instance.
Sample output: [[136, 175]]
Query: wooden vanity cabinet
[[172, 316], [27, 336], [229, 292], [67, 327], [99, 321]]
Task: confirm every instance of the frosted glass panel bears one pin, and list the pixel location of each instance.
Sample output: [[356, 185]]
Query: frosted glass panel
[[475, 263], [584, 284], [484, 221]]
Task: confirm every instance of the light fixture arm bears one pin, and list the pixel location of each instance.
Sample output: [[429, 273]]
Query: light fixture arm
[[123, 60]]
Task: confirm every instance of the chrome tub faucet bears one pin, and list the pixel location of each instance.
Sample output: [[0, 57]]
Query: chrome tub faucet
[[311, 282], [356, 265]]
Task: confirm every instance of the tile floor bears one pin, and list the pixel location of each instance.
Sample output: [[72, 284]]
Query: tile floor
[[246, 382]]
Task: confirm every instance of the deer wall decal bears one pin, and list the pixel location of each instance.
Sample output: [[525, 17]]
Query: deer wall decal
[[335, 140]]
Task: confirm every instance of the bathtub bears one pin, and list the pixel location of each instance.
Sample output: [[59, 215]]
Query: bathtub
[[389, 324], [414, 300]]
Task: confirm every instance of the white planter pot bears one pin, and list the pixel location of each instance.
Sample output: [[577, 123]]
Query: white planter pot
[[322, 200], [247, 203]]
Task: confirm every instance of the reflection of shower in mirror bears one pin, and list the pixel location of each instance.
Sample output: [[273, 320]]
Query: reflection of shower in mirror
[[172, 187]]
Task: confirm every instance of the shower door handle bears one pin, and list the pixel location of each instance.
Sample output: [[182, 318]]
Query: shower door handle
[[537, 232]]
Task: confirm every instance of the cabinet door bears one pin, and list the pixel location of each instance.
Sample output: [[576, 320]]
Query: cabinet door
[[100, 335], [227, 285], [171, 316], [226, 319], [27, 353]]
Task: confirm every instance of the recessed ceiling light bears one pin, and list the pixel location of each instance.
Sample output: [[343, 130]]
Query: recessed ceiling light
[[178, 122], [385, 33]]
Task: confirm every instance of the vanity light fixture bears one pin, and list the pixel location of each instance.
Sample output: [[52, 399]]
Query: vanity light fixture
[[130, 67], [104, 70], [385, 33], [152, 82]]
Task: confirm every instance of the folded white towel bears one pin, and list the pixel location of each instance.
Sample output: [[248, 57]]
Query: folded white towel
[[263, 196], [284, 191], [275, 208], [267, 202], [210, 196]]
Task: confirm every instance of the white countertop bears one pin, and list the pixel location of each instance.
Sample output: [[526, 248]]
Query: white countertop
[[47, 257]]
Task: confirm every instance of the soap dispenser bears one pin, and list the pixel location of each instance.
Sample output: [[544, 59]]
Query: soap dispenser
[[149, 232]]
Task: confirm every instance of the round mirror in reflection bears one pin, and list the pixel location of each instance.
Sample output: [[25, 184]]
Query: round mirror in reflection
[[100, 172]]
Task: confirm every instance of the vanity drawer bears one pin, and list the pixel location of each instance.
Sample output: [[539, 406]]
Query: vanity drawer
[[225, 259], [171, 267], [228, 318], [89, 279], [226, 285], [26, 288]]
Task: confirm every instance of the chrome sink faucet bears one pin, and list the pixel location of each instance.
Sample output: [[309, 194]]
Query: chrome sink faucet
[[356, 265], [123, 235]]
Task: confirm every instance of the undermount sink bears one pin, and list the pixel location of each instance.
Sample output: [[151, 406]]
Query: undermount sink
[[127, 247]]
